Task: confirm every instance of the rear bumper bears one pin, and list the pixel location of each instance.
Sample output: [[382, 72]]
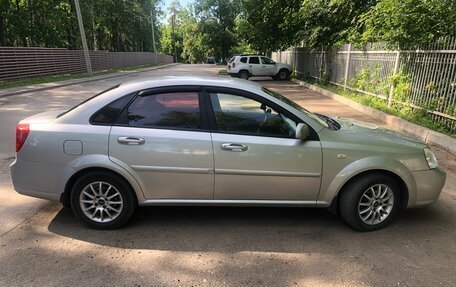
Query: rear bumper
[[429, 185], [35, 179]]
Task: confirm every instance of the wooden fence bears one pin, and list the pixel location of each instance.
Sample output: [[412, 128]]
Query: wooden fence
[[19, 63], [417, 79]]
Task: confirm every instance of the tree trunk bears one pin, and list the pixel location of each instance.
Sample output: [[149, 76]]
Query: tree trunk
[[2, 31]]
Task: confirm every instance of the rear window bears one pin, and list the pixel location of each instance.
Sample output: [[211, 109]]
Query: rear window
[[109, 113], [243, 60], [166, 110]]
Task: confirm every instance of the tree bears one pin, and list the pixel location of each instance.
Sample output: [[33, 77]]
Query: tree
[[217, 20], [269, 25], [329, 22], [408, 23]]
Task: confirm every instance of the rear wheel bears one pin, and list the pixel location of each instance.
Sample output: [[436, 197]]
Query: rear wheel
[[244, 75], [283, 74], [102, 200], [370, 203]]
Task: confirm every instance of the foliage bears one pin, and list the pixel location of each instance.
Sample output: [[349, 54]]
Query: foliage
[[114, 25], [329, 22], [407, 23], [217, 21], [370, 80], [269, 25], [420, 116]]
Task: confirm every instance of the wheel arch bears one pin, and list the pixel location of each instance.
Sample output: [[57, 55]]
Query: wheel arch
[[65, 197], [403, 188]]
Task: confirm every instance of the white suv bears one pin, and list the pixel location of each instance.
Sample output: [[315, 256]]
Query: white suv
[[245, 66]]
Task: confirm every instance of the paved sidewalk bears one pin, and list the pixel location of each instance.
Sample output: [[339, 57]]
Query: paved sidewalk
[[53, 85]]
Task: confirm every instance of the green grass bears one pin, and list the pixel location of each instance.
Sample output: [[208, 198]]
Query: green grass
[[223, 72], [418, 116], [58, 78]]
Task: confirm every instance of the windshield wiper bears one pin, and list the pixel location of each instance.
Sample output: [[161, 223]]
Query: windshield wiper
[[332, 123]]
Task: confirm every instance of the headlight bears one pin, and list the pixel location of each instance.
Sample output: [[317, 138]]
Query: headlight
[[430, 158]]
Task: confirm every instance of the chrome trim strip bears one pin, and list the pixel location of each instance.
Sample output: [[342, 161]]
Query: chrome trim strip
[[196, 170], [228, 202], [265, 173]]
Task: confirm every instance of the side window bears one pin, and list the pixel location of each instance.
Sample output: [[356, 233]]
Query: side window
[[109, 113], [238, 114], [267, 61], [243, 60], [172, 110], [254, 60]]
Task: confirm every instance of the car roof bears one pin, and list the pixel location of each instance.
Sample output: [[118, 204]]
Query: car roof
[[168, 81]]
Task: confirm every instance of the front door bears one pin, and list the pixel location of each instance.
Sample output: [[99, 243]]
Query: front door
[[256, 154], [162, 140], [269, 66]]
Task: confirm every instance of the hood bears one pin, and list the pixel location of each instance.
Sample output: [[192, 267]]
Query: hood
[[377, 133]]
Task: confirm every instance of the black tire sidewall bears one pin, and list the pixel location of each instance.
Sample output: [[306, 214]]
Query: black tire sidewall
[[352, 194], [120, 184], [286, 75], [241, 73]]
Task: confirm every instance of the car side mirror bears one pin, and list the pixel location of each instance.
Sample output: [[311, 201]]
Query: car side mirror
[[302, 131]]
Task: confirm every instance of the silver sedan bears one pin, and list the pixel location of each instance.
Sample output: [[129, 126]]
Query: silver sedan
[[217, 141]]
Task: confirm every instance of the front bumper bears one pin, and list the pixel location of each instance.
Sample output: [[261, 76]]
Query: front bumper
[[429, 185]]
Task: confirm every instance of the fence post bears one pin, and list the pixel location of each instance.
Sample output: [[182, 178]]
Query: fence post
[[396, 68], [347, 66], [321, 64]]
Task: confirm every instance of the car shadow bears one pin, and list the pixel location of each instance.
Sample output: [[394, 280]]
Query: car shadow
[[236, 229]]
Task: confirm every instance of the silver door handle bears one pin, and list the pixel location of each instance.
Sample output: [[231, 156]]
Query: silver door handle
[[130, 140], [234, 147]]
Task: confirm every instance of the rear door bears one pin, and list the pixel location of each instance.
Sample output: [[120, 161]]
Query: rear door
[[257, 156], [162, 137]]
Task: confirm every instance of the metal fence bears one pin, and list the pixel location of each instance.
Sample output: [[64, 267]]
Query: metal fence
[[423, 79], [19, 63]]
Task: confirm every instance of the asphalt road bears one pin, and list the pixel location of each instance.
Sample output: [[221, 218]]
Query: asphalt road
[[42, 244]]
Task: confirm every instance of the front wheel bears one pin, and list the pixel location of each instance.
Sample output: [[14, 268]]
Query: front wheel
[[102, 200], [370, 203], [283, 75]]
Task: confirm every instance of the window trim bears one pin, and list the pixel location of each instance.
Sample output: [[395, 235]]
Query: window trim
[[120, 121], [131, 95], [259, 60], [207, 90]]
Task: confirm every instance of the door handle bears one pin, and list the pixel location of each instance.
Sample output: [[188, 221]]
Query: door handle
[[234, 147], [250, 66], [130, 141]]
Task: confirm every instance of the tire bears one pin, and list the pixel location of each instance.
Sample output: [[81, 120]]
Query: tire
[[283, 74], [370, 203], [109, 209], [244, 75]]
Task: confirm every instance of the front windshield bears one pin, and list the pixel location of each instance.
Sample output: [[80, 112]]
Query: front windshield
[[296, 106]]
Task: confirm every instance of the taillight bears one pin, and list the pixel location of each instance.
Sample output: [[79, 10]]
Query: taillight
[[234, 65], [22, 132]]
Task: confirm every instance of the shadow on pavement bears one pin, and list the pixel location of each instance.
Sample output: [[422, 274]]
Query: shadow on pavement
[[236, 229]]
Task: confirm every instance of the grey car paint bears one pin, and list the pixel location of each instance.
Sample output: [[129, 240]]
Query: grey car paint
[[165, 172]]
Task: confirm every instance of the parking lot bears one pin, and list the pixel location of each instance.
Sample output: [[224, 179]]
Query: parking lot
[[42, 244]]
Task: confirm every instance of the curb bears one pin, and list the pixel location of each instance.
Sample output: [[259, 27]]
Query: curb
[[53, 85], [428, 136]]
